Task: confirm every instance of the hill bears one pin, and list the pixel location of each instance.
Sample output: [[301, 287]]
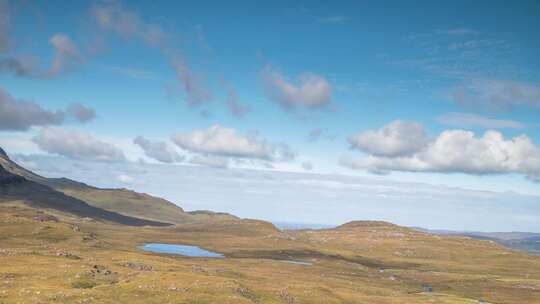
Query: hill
[[121, 201], [524, 241], [17, 188]]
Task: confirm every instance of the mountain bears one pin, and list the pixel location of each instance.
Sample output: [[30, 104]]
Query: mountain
[[524, 241], [14, 187], [121, 201]]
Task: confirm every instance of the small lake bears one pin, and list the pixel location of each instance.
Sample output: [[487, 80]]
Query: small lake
[[184, 250]]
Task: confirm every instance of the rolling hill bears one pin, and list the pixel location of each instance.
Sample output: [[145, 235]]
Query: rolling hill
[[121, 201]]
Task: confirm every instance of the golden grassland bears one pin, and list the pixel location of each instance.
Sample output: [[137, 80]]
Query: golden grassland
[[74, 260]]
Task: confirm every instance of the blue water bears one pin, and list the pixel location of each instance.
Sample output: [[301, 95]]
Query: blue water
[[185, 250]]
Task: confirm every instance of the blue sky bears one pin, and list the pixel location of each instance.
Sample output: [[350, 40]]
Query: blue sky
[[442, 93]]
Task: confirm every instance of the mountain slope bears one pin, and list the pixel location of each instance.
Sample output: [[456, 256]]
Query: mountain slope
[[524, 241], [17, 188], [122, 201]]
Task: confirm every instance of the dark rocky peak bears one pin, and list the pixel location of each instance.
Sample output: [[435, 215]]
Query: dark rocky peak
[[3, 154]]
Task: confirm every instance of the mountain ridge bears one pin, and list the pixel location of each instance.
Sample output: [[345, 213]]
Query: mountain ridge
[[122, 201]]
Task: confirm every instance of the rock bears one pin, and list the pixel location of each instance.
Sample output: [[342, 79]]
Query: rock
[[138, 266], [67, 255], [45, 218]]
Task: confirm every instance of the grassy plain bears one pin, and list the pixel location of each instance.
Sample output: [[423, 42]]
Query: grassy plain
[[74, 260]]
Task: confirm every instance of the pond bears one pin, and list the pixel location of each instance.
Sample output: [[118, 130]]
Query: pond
[[184, 250]]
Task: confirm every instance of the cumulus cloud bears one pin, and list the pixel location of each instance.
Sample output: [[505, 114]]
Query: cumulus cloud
[[309, 91], [474, 120], [398, 138], [158, 150], [210, 161], [497, 94], [459, 151], [77, 145], [81, 113], [227, 142]]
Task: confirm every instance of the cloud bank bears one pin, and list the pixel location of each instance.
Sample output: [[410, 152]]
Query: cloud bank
[[77, 145], [398, 138], [227, 142], [158, 150], [305, 197], [452, 151]]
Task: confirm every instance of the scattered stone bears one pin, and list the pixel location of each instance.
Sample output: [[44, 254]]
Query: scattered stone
[[246, 293], [138, 266], [98, 269], [89, 237], [67, 255], [46, 218], [285, 296]]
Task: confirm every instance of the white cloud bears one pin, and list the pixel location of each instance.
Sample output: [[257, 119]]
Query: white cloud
[[310, 90], [77, 145], [210, 161], [473, 120], [497, 94], [222, 141], [126, 179], [459, 151], [398, 138], [158, 150]]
